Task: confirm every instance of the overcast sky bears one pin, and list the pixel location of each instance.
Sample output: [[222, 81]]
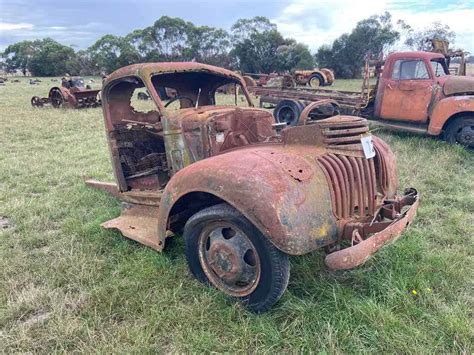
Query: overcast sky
[[314, 22]]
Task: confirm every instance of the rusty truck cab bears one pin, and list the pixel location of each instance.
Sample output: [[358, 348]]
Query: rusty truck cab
[[149, 146], [408, 85]]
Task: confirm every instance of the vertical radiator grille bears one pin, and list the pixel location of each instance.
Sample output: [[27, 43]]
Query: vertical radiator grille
[[381, 170], [352, 183]]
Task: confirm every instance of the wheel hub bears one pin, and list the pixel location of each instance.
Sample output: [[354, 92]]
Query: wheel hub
[[466, 135], [224, 261], [229, 259], [287, 115]]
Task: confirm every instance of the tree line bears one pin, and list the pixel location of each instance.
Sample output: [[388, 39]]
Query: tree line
[[252, 45]]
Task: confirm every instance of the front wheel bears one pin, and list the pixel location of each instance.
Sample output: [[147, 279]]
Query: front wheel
[[461, 131], [227, 251]]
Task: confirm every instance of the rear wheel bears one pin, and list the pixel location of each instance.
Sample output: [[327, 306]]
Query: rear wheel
[[315, 81], [461, 131], [288, 111], [227, 251]]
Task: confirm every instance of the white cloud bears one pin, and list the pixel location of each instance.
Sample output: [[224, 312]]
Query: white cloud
[[320, 22], [5, 26]]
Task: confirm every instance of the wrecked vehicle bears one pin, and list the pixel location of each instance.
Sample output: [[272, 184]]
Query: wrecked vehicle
[[414, 93], [72, 94], [314, 77], [243, 196], [269, 80]]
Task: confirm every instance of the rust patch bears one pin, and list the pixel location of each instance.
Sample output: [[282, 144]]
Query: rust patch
[[138, 222]]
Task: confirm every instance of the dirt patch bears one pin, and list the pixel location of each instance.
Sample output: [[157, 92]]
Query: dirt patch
[[5, 223], [37, 317]]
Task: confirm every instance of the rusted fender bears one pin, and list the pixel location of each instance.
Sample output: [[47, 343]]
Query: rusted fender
[[284, 195], [307, 110], [358, 254], [446, 108]]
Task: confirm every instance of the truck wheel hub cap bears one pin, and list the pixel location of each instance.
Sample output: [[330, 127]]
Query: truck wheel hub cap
[[229, 259], [466, 135]]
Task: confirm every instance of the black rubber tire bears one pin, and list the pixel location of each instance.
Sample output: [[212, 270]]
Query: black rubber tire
[[275, 266], [36, 101], [58, 99], [288, 111], [319, 77], [454, 127]]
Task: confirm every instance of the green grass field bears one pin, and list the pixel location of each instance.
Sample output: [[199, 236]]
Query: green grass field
[[68, 285]]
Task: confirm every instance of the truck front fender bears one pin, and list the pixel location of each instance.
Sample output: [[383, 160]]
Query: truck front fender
[[446, 108], [284, 195]]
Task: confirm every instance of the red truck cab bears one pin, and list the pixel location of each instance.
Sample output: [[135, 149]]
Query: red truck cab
[[416, 88]]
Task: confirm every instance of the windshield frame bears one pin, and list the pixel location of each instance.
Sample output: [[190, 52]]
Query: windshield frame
[[174, 80], [443, 65]]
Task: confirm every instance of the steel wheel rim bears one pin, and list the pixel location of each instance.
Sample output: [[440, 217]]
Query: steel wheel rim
[[314, 82], [229, 259]]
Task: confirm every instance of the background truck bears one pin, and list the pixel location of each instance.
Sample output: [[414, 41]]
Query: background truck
[[414, 92], [246, 196]]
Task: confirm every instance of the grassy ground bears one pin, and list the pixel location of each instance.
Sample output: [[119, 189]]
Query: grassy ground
[[66, 284]]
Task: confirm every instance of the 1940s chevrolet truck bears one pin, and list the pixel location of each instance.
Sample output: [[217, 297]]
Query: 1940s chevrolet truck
[[247, 195]]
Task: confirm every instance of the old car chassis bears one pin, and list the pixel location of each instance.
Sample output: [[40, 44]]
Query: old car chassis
[[247, 195]]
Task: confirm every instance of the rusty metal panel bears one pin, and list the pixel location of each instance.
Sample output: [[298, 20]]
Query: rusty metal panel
[[446, 108], [365, 242], [459, 85], [282, 193]]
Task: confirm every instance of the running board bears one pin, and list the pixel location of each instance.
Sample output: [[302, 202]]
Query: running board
[[138, 222], [139, 217], [146, 197], [401, 126]]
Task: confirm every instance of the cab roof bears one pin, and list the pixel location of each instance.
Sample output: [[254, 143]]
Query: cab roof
[[147, 69], [416, 55]]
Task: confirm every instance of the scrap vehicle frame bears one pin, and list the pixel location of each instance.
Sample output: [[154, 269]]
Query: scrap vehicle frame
[[246, 195], [71, 94]]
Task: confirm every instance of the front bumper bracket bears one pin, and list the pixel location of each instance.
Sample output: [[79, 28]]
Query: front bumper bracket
[[393, 217]]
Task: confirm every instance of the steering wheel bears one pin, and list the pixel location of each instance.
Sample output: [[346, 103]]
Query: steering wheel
[[179, 98]]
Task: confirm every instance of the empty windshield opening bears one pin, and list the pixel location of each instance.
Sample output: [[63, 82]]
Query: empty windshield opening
[[196, 89]]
